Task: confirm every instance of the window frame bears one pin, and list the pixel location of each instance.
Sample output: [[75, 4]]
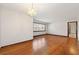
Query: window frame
[[39, 30]]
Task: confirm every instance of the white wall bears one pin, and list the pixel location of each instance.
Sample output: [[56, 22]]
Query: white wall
[[15, 27], [78, 30], [58, 28], [0, 27]]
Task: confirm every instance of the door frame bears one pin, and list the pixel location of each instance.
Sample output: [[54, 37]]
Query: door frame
[[76, 28]]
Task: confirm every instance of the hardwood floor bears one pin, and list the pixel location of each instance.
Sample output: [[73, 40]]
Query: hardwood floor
[[44, 45], [17, 49]]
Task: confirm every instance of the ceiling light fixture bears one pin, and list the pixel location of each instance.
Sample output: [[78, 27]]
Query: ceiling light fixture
[[32, 11]]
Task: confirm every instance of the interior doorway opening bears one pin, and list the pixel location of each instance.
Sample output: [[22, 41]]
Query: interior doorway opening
[[73, 29]]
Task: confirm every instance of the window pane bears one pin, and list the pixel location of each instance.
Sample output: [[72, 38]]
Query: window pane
[[39, 27]]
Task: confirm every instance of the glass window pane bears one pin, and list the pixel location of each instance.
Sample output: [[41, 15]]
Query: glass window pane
[[38, 27]]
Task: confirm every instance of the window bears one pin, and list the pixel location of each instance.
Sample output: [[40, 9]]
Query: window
[[39, 27]]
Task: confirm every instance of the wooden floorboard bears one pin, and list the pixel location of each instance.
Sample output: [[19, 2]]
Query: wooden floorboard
[[43, 45]]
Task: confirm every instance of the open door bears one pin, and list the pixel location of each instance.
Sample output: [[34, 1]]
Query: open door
[[72, 29]]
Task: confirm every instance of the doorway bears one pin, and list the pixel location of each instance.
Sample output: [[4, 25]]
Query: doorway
[[72, 29]]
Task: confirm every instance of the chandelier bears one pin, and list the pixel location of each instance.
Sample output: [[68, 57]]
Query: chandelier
[[32, 11]]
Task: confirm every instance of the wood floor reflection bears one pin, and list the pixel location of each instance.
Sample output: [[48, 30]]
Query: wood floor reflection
[[44, 45]]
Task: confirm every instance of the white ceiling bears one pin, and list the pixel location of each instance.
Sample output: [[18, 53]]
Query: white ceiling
[[58, 12], [50, 12]]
